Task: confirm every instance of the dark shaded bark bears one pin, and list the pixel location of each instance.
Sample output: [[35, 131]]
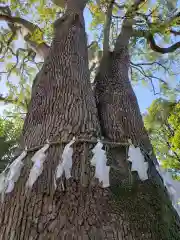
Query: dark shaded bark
[[116, 102], [146, 204], [62, 106]]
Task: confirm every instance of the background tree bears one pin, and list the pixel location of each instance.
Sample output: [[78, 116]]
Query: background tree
[[62, 105], [10, 130], [162, 123]]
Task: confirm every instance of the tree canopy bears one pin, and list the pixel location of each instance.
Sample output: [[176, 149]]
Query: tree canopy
[[26, 31]]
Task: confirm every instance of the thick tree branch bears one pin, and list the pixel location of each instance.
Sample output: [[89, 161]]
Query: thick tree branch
[[127, 30], [107, 27], [162, 50], [150, 38], [28, 27]]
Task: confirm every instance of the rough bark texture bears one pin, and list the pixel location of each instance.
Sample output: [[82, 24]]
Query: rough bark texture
[[63, 106], [116, 102], [146, 204]]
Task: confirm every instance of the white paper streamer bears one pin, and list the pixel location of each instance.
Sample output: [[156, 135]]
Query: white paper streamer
[[37, 168], [15, 172], [99, 161], [66, 164], [138, 162]]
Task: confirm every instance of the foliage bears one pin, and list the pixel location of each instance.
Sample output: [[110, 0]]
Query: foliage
[[162, 122], [10, 130], [174, 121], [156, 17], [148, 67]]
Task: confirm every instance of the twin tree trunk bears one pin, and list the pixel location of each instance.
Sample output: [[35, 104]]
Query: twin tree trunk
[[63, 106]]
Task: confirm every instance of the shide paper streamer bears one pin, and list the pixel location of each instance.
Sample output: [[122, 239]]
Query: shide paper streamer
[[66, 164], [11, 174], [99, 161], [7, 180], [138, 162], [37, 168]]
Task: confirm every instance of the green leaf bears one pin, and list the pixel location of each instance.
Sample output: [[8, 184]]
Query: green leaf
[[162, 122]]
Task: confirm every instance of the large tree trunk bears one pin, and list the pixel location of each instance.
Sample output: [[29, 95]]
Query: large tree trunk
[[63, 106], [145, 204]]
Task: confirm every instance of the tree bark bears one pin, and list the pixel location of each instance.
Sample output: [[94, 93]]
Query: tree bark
[[62, 106], [145, 204]]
